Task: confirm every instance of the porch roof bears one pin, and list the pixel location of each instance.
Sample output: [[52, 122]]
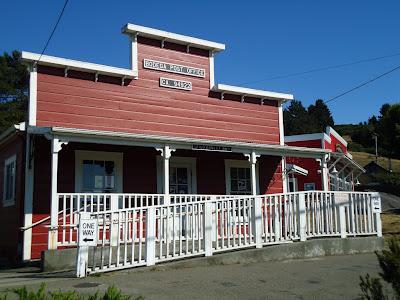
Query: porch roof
[[347, 161], [158, 141]]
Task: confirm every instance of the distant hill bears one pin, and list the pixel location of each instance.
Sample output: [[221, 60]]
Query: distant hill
[[364, 158]]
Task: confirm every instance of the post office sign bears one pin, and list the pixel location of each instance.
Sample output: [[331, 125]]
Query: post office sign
[[173, 68], [175, 84], [211, 148]]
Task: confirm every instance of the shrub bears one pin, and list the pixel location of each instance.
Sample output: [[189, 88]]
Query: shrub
[[112, 293], [389, 261]]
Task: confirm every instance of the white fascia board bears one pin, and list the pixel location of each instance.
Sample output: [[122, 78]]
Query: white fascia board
[[330, 130], [54, 61], [171, 37], [151, 140], [230, 89], [308, 137]]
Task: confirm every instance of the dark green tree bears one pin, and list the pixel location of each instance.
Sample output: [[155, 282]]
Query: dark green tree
[[296, 119], [388, 130], [321, 115], [13, 90]]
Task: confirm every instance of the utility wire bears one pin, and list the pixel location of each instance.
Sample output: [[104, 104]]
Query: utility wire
[[54, 29], [324, 68], [363, 84]]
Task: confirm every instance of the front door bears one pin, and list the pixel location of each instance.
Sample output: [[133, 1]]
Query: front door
[[180, 179]]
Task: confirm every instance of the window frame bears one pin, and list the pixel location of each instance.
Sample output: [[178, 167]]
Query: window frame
[[11, 160], [306, 183], [237, 163], [177, 161], [81, 155]]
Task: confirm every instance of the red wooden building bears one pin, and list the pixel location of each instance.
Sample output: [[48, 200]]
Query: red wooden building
[[162, 126], [305, 173]]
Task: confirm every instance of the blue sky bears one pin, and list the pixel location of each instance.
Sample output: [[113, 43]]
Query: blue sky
[[263, 39]]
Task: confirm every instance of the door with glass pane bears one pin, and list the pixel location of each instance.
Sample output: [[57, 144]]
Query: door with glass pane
[[180, 181]]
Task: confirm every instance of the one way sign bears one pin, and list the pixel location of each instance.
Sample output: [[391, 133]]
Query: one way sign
[[88, 232]]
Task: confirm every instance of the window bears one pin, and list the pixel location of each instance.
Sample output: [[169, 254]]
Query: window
[[238, 177], [182, 175], [9, 181], [309, 186], [98, 171]]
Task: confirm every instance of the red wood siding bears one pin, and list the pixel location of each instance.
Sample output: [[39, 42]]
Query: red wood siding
[[142, 106], [12, 216]]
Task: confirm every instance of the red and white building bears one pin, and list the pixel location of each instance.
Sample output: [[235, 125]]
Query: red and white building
[[305, 173], [162, 126]]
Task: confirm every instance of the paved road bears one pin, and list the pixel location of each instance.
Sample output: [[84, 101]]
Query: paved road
[[334, 277]]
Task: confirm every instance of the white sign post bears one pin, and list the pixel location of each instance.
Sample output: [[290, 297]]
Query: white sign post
[[87, 236]]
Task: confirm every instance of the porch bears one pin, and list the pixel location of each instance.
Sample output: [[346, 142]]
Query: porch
[[112, 166]]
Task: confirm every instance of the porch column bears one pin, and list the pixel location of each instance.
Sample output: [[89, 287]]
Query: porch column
[[324, 173], [166, 153], [252, 157], [56, 146]]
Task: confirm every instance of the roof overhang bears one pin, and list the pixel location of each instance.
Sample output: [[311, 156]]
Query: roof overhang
[[11, 131], [337, 156], [77, 65], [148, 140], [236, 90], [157, 34]]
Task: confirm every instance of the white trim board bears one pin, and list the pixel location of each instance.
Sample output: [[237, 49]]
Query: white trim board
[[171, 37], [308, 137], [70, 64], [236, 90], [117, 157], [330, 130], [123, 138]]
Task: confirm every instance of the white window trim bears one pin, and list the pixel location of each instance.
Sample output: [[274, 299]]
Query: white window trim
[[8, 161], [237, 163], [176, 161], [81, 155]]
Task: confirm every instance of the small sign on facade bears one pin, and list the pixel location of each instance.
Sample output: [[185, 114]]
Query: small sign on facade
[[88, 232], [211, 148], [173, 68], [376, 204], [175, 84]]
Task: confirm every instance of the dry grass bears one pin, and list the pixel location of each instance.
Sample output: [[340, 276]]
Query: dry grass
[[390, 224], [364, 158]]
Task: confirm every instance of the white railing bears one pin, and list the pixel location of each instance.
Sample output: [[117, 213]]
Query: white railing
[[192, 225]]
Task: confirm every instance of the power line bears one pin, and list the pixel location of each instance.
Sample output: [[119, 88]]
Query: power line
[[324, 68], [363, 84], [54, 29]]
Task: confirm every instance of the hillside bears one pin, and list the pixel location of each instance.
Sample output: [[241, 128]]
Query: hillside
[[364, 158]]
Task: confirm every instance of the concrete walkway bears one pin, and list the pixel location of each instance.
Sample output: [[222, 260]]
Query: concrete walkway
[[334, 277]]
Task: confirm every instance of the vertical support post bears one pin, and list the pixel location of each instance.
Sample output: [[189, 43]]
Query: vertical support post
[[82, 257], [151, 236], [28, 198], [56, 145], [114, 231], [208, 227], [257, 221], [342, 221], [252, 157], [301, 212], [166, 153], [277, 219], [376, 208], [324, 173]]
